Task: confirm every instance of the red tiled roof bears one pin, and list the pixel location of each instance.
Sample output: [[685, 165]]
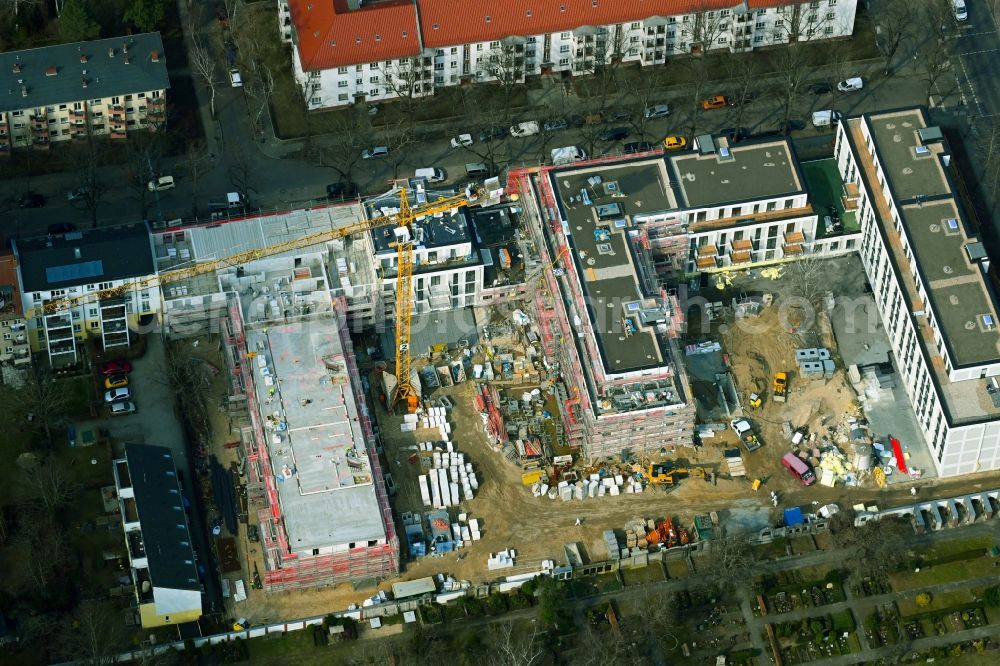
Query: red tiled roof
[[8, 278], [330, 35]]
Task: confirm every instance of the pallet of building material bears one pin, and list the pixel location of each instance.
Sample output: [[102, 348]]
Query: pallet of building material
[[455, 497], [425, 494]]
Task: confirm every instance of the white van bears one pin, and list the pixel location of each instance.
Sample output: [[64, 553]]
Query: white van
[[961, 13], [431, 174], [568, 155], [851, 84], [825, 118]]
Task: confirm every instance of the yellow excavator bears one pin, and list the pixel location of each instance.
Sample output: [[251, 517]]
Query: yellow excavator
[[666, 474]]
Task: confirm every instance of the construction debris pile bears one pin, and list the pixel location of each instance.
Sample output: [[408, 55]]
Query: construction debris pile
[[643, 535], [597, 484]]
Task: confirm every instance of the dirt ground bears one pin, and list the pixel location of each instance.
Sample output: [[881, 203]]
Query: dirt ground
[[754, 357]]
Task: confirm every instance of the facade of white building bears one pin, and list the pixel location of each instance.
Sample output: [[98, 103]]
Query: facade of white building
[[80, 264], [928, 274], [383, 51]]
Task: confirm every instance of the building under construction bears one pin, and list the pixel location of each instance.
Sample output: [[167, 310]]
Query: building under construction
[[631, 234], [312, 467], [605, 318]]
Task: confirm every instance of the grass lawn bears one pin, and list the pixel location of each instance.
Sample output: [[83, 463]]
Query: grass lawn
[[947, 550], [651, 574], [945, 573], [908, 606], [677, 568], [803, 545]]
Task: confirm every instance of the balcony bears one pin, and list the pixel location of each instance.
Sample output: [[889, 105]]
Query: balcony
[[706, 262], [78, 113], [156, 102], [117, 113], [741, 257], [40, 131], [793, 249], [136, 548], [795, 237]]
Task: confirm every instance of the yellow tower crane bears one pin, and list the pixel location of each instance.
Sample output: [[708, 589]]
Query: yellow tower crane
[[403, 222]]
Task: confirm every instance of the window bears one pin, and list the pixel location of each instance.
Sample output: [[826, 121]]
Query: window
[[95, 325], [670, 35], [758, 39], [814, 4], [17, 113], [810, 32], [633, 52], [832, 3], [341, 70], [479, 47], [779, 23], [438, 66], [62, 107], [342, 97], [564, 61], [341, 84], [454, 50], [672, 19], [760, 25], [454, 65], [564, 48], [531, 40], [828, 30], [374, 79], [723, 40], [494, 45], [635, 26], [724, 12], [564, 35], [830, 16], [141, 95], [116, 100], [96, 102], [359, 82], [374, 91]]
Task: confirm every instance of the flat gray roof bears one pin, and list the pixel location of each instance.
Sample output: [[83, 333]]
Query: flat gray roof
[[956, 288], [608, 274], [912, 172], [754, 171], [321, 463], [106, 76]]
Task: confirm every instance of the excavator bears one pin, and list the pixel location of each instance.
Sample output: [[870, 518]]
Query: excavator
[[666, 474]]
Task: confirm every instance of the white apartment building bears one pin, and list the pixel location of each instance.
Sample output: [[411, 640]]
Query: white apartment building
[[105, 87], [162, 562], [928, 274], [345, 53], [81, 263]]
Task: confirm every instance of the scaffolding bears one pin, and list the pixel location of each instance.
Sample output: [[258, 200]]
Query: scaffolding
[[604, 415], [284, 569]]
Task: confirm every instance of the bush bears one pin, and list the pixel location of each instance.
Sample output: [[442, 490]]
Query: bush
[[992, 596], [923, 600]]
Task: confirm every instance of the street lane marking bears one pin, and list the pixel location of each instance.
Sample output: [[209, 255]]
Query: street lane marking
[[972, 88], [971, 53]]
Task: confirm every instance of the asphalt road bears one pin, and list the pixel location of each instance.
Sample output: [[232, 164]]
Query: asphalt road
[[977, 54]]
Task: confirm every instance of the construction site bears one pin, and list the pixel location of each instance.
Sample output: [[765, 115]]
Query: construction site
[[578, 356]]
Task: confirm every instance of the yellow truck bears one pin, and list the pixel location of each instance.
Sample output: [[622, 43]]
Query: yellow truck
[[780, 387]]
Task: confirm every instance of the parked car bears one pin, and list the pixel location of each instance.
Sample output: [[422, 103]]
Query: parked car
[[740, 100], [116, 368], [30, 200], [735, 134], [115, 381], [638, 147], [613, 134], [576, 120], [122, 408], [961, 13], [491, 133], [341, 191], [657, 111], [431, 174], [61, 228], [714, 102], [77, 194], [555, 125], [851, 84], [235, 78], [118, 394], [377, 151], [461, 140], [821, 88], [791, 125], [675, 143], [161, 184], [528, 128], [617, 115]]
